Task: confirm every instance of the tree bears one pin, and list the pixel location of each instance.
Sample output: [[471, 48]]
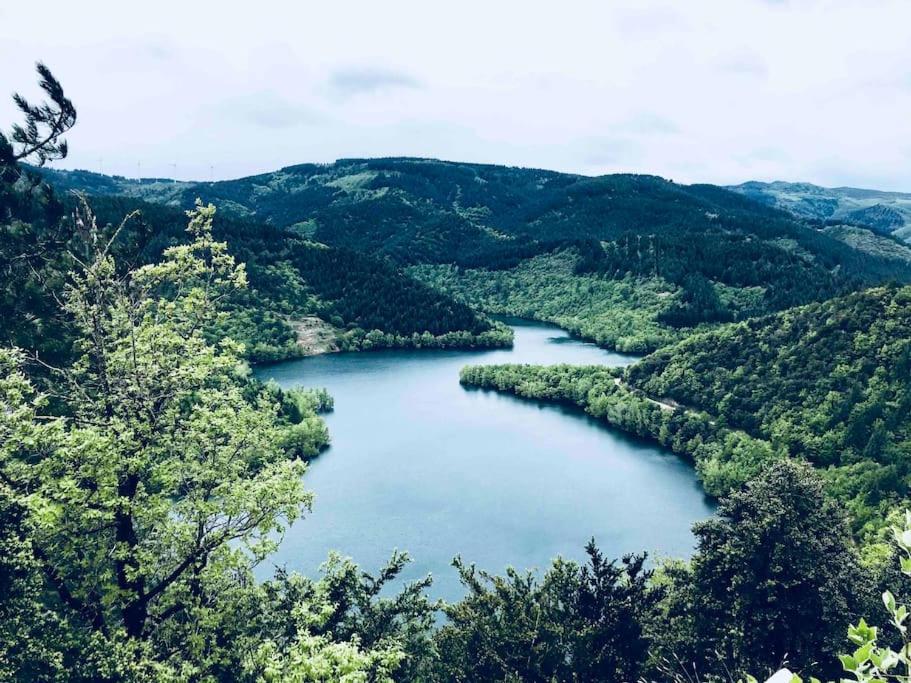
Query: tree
[[872, 660], [580, 623], [32, 244], [775, 579], [165, 481], [347, 620], [39, 138]]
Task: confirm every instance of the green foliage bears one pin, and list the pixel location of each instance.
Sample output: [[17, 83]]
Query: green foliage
[[39, 138], [699, 302], [871, 662], [167, 477], [311, 400], [340, 627], [724, 458], [498, 335], [618, 313], [35, 643], [315, 659], [828, 382], [374, 294], [579, 623], [775, 579], [291, 279]]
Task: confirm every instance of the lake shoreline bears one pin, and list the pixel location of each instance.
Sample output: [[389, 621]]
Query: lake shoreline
[[310, 348], [417, 462]]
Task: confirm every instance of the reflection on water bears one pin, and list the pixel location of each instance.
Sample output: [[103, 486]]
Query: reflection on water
[[420, 463]]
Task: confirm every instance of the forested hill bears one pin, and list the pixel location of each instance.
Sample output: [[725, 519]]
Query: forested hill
[[527, 242], [888, 213], [425, 210], [830, 382], [303, 297]]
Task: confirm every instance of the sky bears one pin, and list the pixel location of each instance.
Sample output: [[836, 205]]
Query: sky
[[719, 91]]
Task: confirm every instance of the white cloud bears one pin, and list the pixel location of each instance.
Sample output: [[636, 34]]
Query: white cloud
[[368, 80], [710, 90]]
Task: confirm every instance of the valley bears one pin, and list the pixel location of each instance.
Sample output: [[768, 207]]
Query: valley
[[630, 262], [437, 462], [391, 419]]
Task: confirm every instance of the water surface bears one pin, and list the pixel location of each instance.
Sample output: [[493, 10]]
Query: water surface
[[420, 463]]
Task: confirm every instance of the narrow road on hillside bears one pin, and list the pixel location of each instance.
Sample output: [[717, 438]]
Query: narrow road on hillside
[[664, 405], [661, 404]]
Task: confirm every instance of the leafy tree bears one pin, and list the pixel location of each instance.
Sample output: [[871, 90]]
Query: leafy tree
[[167, 477], [873, 660], [775, 578], [32, 252], [349, 616], [33, 641], [579, 623]]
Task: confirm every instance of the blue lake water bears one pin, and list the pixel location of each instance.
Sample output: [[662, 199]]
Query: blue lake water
[[419, 463]]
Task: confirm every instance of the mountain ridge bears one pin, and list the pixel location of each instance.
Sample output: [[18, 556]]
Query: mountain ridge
[[689, 255], [884, 211]]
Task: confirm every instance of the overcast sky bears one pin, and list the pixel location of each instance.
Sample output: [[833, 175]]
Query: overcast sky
[[698, 91]]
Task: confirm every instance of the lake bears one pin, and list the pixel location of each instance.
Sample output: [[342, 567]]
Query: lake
[[419, 463]]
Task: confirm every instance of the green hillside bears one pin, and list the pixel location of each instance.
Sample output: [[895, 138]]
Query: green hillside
[[829, 383], [888, 213], [658, 257], [304, 297]]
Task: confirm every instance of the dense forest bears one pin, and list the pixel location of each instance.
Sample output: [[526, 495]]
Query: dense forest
[[366, 302], [618, 313], [828, 382], [144, 472], [681, 256]]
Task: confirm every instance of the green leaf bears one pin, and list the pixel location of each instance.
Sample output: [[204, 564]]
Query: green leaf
[[905, 541], [862, 654]]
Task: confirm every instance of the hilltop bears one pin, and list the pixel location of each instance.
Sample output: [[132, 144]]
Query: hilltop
[[626, 260], [887, 213]]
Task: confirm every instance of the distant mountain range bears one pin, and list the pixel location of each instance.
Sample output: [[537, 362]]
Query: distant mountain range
[[887, 213], [627, 260]]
